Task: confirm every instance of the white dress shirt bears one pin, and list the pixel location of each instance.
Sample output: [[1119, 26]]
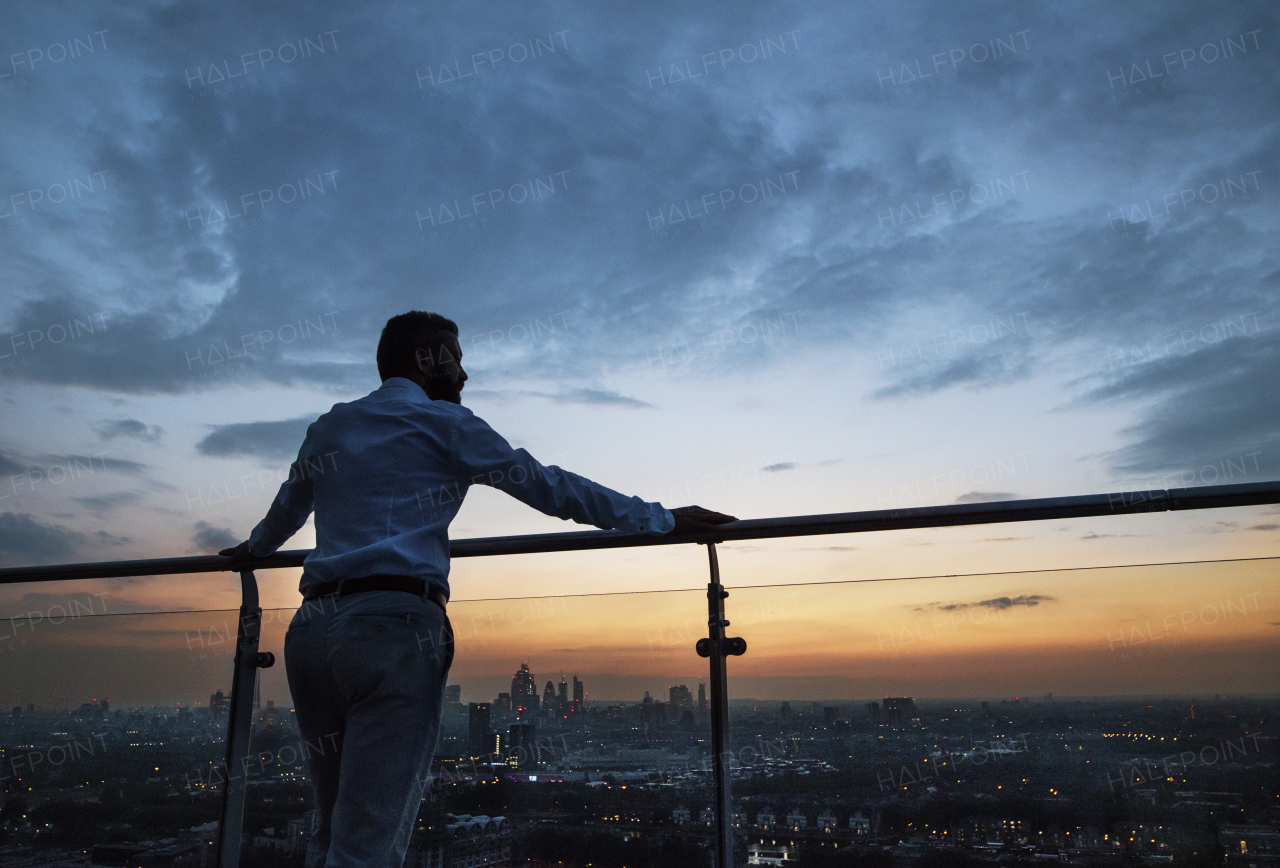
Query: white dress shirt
[[386, 474]]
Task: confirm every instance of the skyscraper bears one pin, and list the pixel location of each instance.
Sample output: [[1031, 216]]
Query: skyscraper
[[478, 740], [549, 696], [564, 692], [702, 696], [453, 694], [579, 694], [504, 702], [680, 696], [524, 692], [522, 742]]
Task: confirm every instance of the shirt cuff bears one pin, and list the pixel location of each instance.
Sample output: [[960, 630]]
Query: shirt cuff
[[662, 520]]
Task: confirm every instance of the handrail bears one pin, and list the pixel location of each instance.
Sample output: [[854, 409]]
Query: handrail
[[953, 515]]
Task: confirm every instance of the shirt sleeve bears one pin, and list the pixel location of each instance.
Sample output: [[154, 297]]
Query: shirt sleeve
[[484, 458], [289, 510]]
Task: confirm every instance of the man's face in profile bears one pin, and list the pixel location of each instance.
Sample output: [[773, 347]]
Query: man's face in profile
[[444, 375]]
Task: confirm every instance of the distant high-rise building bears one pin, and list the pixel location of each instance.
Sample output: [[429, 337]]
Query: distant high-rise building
[[579, 694], [829, 714], [659, 713], [106, 707], [900, 710], [478, 729], [702, 696], [564, 690], [549, 696], [522, 743], [453, 694], [680, 697], [524, 691], [785, 711], [504, 702]]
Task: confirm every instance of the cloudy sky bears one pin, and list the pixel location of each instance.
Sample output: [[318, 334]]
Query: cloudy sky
[[775, 259]]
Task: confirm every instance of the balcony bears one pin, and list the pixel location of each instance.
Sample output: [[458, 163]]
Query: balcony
[[819, 719]]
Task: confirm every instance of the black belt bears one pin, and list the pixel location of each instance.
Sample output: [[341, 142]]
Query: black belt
[[379, 583]]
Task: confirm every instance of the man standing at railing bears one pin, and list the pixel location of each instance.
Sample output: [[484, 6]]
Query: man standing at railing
[[360, 654]]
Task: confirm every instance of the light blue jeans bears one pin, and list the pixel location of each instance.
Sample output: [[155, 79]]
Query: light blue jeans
[[367, 673]]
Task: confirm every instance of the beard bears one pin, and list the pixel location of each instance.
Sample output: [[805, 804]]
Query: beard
[[448, 390]]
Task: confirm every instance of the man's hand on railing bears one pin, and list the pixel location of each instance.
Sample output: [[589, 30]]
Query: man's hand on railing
[[691, 519], [239, 553]]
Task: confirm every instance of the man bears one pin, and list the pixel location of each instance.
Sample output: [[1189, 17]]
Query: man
[[385, 475]]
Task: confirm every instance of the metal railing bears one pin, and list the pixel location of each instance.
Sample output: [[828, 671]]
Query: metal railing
[[716, 647]]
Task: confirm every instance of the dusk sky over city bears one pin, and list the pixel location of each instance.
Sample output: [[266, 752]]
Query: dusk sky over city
[[774, 259]]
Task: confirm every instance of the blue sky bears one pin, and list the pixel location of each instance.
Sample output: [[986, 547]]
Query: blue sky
[[771, 258]]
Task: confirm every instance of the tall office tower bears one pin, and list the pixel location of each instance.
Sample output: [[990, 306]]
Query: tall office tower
[[646, 709], [564, 691], [702, 696], [522, 744], [524, 692], [504, 702], [579, 694], [873, 711], [106, 706], [660, 713], [829, 714], [453, 694], [217, 705], [478, 729], [785, 711], [680, 696], [549, 696]]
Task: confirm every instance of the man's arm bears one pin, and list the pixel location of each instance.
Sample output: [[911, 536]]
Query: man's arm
[[483, 457], [288, 512]]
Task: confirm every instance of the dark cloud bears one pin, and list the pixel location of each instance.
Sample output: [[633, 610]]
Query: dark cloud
[[1206, 421], [210, 540], [975, 371], [271, 440], [776, 468], [573, 396], [10, 467], [985, 496], [88, 464], [109, 429], [104, 503], [994, 603], [600, 396], [1265, 527], [25, 541]]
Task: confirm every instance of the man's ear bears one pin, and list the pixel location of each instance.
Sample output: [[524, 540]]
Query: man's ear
[[423, 361]]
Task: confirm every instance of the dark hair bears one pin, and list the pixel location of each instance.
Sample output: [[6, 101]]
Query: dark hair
[[403, 335]]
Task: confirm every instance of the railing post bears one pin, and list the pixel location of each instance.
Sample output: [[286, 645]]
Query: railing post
[[717, 647], [248, 661]]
